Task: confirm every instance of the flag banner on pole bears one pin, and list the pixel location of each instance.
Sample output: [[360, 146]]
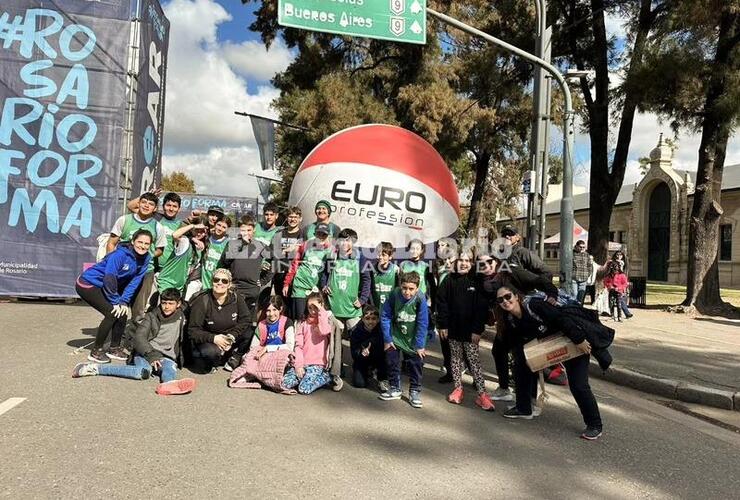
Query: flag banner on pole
[[231, 204], [264, 134], [264, 186], [63, 100], [154, 29]]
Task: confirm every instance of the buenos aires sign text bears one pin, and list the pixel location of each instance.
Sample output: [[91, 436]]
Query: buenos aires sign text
[[395, 20]]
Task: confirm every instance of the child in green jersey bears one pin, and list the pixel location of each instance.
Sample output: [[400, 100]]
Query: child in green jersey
[[216, 246], [404, 322], [305, 271], [266, 230], [384, 274]]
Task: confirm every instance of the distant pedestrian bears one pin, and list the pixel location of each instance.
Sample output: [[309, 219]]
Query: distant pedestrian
[[521, 256], [621, 261], [616, 283], [583, 266]]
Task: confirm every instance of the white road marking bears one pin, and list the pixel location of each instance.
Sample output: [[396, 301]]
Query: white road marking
[[9, 404]]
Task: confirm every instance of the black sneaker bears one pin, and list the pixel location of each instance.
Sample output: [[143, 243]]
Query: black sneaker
[[98, 356], [591, 434], [513, 412], [233, 362], [117, 353]]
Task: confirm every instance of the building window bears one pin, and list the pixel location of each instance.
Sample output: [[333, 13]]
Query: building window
[[725, 242], [611, 236], [623, 237]]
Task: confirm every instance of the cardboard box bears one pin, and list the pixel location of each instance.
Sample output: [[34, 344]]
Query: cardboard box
[[549, 351]]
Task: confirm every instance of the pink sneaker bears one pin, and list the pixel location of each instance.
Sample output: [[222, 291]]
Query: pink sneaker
[[456, 396], [176, 387], [484, 401]]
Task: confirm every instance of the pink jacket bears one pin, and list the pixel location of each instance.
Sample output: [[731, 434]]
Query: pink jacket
[[618, 282], [312, 342]]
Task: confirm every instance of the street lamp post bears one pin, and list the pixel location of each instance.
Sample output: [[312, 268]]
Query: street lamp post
[[566, 202]]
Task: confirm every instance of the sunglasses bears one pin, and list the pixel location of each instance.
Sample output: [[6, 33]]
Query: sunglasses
[[225, 281], [505, 298], [487, 262]]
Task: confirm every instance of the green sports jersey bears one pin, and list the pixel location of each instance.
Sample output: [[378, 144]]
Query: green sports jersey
[[131, 225], [403, 325], [174, 273], [265, 235], [383, 284], [170, 225], [419, 267], [215, 249], [307, 275], [344, 283]]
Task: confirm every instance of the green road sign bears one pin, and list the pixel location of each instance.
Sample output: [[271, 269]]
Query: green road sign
[[395, 20]]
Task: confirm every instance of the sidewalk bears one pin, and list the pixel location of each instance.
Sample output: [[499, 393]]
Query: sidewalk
[[671, 355]]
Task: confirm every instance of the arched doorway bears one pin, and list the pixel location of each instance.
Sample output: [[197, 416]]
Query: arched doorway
[[659, 233]]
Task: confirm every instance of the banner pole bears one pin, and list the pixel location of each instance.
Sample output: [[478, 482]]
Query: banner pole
[[133, 75]]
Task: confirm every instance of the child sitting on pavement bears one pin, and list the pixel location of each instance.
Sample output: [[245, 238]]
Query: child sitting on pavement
[[404, 322], [366, 345], [313, 348], [157, 349], [274, 333]]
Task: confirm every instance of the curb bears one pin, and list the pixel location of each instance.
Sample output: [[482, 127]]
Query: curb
[[668, 388]]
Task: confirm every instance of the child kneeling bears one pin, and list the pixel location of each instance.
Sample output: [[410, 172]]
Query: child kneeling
[[157, 349], [366, 344], [313, 340], [404, 322]]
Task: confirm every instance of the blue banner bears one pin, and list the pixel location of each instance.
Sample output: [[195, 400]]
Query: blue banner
[[231, 204], [154, 32], [62, 100]]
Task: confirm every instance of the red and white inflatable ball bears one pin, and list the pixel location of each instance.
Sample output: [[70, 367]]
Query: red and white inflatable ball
[[385, 182]]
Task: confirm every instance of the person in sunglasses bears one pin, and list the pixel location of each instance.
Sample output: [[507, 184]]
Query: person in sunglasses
[[220, 324], [527, 319]]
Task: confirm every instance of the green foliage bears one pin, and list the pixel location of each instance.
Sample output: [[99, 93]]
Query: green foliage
[[178, 182]]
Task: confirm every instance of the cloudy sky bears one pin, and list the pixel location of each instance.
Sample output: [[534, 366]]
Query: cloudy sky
[[217, 66]]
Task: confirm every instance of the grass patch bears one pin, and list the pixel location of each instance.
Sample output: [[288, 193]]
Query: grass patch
[[661, 294]]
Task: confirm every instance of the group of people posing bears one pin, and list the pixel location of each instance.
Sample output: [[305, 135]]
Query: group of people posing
[[271, 304]]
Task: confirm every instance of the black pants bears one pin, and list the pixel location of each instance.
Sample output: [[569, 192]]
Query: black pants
[[500, 351], [298, 308], [446, 355], [361, 366], [577, 370], [110, 324], [208, 355]]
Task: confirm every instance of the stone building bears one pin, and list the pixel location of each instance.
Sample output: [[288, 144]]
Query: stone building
[[651, 218]]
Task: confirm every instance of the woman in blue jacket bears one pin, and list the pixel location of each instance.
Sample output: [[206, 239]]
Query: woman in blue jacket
[[110, 286]]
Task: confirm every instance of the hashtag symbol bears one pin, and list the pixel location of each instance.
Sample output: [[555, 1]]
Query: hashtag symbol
[[11, 32]]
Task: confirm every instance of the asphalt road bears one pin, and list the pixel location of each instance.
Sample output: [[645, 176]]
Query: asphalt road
[[104, 437]]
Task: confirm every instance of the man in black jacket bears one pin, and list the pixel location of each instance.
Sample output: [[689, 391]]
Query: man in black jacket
[[157, 340], [522, 257]]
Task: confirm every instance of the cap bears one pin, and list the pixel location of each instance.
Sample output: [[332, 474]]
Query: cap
[[322, 228], [509, 230], [323, 203], [217, 209]]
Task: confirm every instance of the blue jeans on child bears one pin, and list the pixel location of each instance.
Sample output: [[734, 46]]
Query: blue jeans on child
[[140, 370], [415, 365], [315, 377]]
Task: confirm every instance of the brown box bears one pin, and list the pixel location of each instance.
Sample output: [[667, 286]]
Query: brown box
[[541, 353]]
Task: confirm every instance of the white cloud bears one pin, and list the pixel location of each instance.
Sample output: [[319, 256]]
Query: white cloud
[[615, 25], [253, 59], [223, 171], [203, 136]]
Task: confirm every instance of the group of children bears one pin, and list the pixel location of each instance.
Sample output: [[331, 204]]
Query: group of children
[[207, 298]]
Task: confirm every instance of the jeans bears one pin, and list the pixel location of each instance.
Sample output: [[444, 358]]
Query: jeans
[[110, 324], [140, 370], [415, 365], [623, 305], [315, 377], [579, 290]]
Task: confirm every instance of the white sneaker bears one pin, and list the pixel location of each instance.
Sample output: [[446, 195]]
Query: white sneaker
[[383, 386], [502, 395], [536, 411]]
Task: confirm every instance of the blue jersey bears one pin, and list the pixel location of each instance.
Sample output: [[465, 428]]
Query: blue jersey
[[119, 274]]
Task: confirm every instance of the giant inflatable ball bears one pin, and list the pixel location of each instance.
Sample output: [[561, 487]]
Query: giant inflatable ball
[[385, 182]]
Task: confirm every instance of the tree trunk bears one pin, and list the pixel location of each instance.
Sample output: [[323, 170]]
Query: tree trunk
[[702, 287], [482, 164], [606, 183]]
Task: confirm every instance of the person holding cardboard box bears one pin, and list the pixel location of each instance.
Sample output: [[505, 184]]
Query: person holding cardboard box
[[535, 318]]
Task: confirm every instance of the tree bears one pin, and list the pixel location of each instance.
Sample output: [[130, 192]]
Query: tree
[[178, 182], [699, 53], [580, 39]]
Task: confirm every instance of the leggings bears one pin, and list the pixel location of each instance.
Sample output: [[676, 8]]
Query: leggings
[[466, 350], [110, 324], [315, 377]]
